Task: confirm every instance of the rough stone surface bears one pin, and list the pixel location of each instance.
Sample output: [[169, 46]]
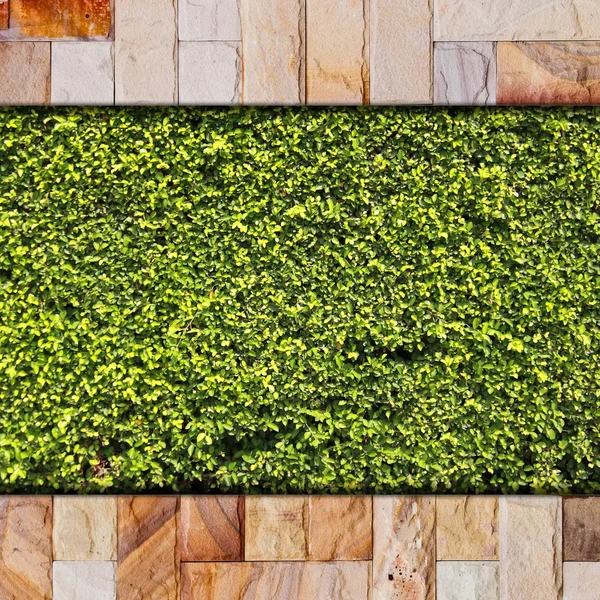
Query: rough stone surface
[[472, 580], [3, 14], [26, 547], [530, 547], [582, 529], [403, 547], [276, 527], [467, 528], [83, 73], [84, 580], [209, 20], [282, 580], [210, 73], [340, 528], [464, 73], [581, 581], [401, 51], [337, 62], [494, 20], [273, 49], [212, 528], [146, 52], [148, 553], [549, 73], [24, 72]]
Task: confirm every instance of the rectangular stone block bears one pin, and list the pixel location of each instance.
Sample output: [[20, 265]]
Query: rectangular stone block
[[581, 581], [340, 528], [403, 547], [464, 73], [401, 51], [210, 73], [24, 72], [209, 20], [3, 14], [282, 580], [475, 580], [337, 55], [85, 580], [581, 529], [146, 52], [530, 547], [273, 50], [148, 552], [276, 528], [26, 547], [83, 73], [467, 528], [491, 20], [549, 73], [212, 528]]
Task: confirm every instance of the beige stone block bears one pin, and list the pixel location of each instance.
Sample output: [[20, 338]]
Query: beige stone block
[[273, 49], [472, 580], [84, 580], [401, 51], [581, 581], [24, 72], [209, 20]]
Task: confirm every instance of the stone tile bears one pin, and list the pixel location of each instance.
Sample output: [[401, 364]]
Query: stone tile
[[581, 533], [337, 56], [549, 73], [282, 580], [85, 528], [148, 552], [146, 52], [581, 581], [401, 51], [24, 72], [273, 50], [491, 20], [212, 528], [3, 14], [83, 73], [472, 580], [210, 73], [464, 73], [26, 547], [530, 547], [340, 528], [209, 20], [276, 527], [85, 580], [467, 528], [403, 547]]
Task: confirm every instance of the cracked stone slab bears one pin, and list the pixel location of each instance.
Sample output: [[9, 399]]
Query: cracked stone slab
[[267, 580], [25, 73], [530, 547], [400, 49], [475, 580], [581, 580], [26, 547], [84, 580], [146, 52], [210, 73], [209, 20], [276, 528], [273, 50], [549, 73], [404, 547], [337, 61], [464, 73], [581, 529], [148, 552], [3, 14], [512, 20]]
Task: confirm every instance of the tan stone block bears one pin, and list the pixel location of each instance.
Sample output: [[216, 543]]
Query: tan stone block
[[26, 548], [340, 528], [276, 527], [337, 55], [530, 547], [582, 529], [403, 547], [467, 528], [581, 581], [209, 20], [24, 72]]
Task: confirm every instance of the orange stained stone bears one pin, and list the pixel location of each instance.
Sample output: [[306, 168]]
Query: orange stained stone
[[3, 14]]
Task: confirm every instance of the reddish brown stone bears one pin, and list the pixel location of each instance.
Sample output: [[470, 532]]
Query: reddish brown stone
[[581, 529], [3, 14]]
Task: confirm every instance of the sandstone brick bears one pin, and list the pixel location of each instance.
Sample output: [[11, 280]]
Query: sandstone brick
[[582, 529], [24, 72]]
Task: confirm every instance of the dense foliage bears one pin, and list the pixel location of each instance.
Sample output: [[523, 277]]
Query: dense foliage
[[300, 300]]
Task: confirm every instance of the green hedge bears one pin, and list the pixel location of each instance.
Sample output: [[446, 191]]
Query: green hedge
[[300, 300]]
